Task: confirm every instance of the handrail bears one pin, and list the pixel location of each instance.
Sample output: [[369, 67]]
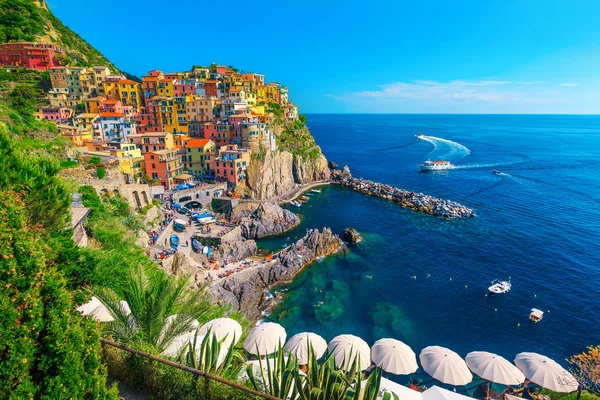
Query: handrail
[[189, 369]]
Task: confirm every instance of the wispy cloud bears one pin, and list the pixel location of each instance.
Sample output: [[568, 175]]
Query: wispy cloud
[[483, 95]]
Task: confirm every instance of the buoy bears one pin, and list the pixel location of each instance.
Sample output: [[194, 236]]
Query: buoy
[[485, 295], [495, 309], [519, 324], [450, 278], [465, 286], [535, 295], [548, 310]]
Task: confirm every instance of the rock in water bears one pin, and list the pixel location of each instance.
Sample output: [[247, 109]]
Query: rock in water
[[352, 236], [341, 175], [268, 219], [245, 290]]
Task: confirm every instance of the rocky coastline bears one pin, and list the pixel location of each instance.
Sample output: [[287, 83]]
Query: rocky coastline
[[245, 291], [266, 219]]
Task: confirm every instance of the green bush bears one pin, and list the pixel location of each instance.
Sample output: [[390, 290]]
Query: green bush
[[100, 172]]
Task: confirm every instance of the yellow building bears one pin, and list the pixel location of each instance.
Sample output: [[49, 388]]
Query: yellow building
[[152, 141], [100, 74], [131, 162], [170, 115], [79, 139], [261, 94], [91, 104], [258, 110], [196, 158], [130, 94], [165, 88], [111, 87], [85, 122], [179, 140]]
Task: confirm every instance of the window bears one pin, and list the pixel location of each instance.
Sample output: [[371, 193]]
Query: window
[[153, 166], [152, 157]]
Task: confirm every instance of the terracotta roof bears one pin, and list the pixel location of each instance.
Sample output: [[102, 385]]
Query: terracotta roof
[[128, 82], [151, 78], [111, 114], [109, 101], [197, 142]]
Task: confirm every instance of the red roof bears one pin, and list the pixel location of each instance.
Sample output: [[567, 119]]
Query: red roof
[[111, 114], [128, 82], [197, 142], [109, 101]]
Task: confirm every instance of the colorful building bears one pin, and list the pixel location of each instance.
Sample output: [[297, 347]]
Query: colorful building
[[153, 141], [114, 127], [85, 122], [131, 162], [220, 133], [130, 94], [60, 115], [290, 112], [231, 164], [201, 109], [196, 152], [30, 55], [59, 77], [165, 166]]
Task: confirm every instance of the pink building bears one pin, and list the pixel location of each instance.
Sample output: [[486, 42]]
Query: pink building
[[59, 115], [221, 134], [114, 106]]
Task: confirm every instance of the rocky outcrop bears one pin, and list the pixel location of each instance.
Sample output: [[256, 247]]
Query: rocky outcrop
[[279, 173], [340, 175], [245, 290], [234, 247], [352, 236], [268, 219]]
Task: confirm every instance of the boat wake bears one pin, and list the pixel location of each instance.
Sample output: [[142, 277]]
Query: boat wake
[[444, 148]]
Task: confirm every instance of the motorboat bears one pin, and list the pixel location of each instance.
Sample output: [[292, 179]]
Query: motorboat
[[310, 194], [419, 134], [316, 190], [179, 225], [196, 245], [305, 198], [174, 241], [536, 315], [499, 287], [438, 165], [295, 203], [497, 172], [207, 219]]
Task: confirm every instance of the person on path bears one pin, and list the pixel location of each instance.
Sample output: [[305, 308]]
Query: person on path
[[187, 244]]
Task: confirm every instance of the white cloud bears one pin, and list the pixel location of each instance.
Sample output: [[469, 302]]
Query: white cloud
[[569, 84]]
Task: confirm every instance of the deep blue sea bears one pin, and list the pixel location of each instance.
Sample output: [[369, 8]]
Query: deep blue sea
[[423, 280]]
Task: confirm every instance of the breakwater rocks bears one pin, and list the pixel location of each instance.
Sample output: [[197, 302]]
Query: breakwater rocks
[[245, 290], [352, 236], [265, 220], [441, 208]]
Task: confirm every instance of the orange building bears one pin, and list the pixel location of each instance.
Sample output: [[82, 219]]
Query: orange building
[[166, 167]]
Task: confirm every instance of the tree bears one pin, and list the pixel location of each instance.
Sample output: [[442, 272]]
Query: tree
[[586, 368], [100, 172], [47, 350], [161, 308]]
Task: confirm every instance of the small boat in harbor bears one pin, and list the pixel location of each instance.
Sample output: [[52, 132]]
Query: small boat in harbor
[[499, 287], [196, 245], [174, 241], [496, 172], [305, 198], [438, 165], [310, 194], [301, 201], [536, 315], [295, 203], [179, 225], [316, 190]]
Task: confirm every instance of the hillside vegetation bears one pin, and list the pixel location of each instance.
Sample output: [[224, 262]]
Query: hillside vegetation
[[29, 20]]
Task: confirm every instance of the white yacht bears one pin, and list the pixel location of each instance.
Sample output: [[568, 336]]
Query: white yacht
[[438, 165]]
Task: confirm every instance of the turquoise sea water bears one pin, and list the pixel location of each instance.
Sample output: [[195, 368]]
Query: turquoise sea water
[[422, 280]]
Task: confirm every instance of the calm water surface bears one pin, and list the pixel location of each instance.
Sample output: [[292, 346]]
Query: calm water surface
[[422, 280]]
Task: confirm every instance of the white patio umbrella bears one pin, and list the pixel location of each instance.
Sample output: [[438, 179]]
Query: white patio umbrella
[[298, 346], [403, 392], [393, 356], [265, 339], [546, 372], [345, 348], [438, 393], [223, 328], [95, 309], [494, 368], [445, 365]]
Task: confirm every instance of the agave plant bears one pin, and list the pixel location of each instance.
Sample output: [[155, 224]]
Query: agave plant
[[277, 377], [206, 354], [160, 308], [325, 381]]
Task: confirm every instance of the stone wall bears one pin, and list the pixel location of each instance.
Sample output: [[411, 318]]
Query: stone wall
[[138, 196], [201, 194]]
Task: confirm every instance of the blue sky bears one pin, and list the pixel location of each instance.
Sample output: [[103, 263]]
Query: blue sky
[[452, 56]]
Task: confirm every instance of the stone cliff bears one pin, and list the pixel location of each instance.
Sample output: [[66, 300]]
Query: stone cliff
[[245, 291], [297, 160]]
